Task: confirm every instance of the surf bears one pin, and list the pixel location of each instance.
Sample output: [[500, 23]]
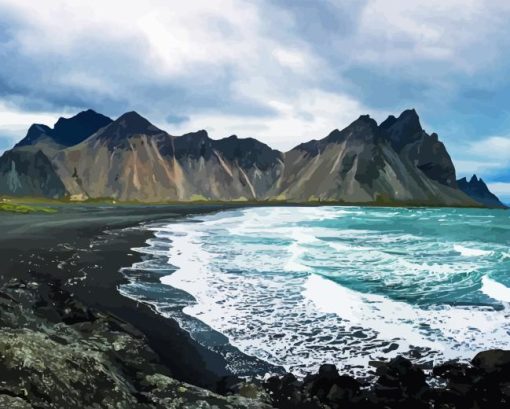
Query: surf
[[298, 287]]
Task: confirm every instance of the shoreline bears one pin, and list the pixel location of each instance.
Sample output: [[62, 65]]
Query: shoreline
[[171, 238], [197, 204], [59, 303], [85, 250]]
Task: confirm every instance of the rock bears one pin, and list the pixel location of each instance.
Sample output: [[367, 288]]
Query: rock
[[66, 376], [494, 362], [476, 385], [253, 391], [55, 352], [70, 310], [344, 389], [456, 372], [229, 384], [505, 391], [320, 384], [14, 402], [400, 381], [331, 388], [165, 392], [82, 358], [328, 371], [284, 392], [447, 399]]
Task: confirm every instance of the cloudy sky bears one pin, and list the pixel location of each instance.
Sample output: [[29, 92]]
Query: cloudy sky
[[282, 71]]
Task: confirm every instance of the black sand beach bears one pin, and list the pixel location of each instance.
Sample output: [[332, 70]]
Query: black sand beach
[[69, 339], [84, 248]]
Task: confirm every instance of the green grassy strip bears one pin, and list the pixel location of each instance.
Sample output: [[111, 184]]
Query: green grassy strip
[[17, 208]]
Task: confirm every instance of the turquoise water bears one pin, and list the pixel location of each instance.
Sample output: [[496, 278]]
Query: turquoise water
[[299, 287]]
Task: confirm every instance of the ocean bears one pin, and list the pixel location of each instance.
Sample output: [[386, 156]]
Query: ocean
[[302, 286]]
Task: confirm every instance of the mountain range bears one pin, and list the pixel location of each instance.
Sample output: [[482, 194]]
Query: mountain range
[[130, 159], [478, 190]]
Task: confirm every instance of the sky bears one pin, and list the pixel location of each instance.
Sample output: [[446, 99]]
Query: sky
[[282, 71]]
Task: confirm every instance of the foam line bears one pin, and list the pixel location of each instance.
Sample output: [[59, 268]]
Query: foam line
[[495, 290]]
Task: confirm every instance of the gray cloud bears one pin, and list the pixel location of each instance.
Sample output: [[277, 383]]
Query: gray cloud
[[280, 70]]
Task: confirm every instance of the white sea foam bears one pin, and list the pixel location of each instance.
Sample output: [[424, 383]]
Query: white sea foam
[[391, 319], [470, 252], [451, 330], [495, 290], [254, 275]]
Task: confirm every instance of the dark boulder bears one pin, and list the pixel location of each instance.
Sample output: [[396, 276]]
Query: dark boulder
[[402, 374], [495, 362], [400, 385], [345, 389], [454, 370], [330, 387], [229, 384], [285, 392]]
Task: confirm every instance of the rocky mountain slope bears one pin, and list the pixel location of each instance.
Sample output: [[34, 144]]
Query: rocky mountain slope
[[131, 159], [28, 170], [29, 173], [394, 162], [478, 190]]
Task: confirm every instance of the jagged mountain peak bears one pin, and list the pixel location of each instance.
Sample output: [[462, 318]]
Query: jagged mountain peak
[[131, 159], [202, 133], [334, 133], [87, 115], [402, 130], [365, 122], [200, 137], [410, 116], [362, 128], [67, 131], [134, 123], [477, 189], [71, 131], [410, 113], [248, 152], [388, 122], [34, 134], [124, 127], [365, 118]]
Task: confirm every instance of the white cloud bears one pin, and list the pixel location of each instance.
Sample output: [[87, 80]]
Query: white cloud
[[458, 32], [13, 121], [198, 45], [172, 38], [486, 157], [500, 189], [310, 115], [204, 59], [497, 148], [293, 59]]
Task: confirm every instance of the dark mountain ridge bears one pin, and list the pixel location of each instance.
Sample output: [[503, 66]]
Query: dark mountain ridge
[[117, 132], [131, 159], [477, 189], [67, 131]]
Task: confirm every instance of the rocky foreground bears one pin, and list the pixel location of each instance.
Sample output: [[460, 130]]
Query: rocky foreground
[[57, 353]]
